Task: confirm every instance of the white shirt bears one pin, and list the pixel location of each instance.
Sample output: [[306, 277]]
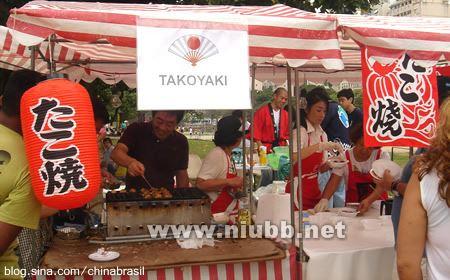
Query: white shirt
[[360, 166], [276, 119], [313, 135], [247, 141], [437, 244], [214, 166]]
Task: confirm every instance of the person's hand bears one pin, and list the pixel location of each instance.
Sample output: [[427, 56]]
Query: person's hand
[[236, 182], [364, 206], [324, 167], [386, 182], [136, 168], [321, 206], [107, 177], [331, 146]]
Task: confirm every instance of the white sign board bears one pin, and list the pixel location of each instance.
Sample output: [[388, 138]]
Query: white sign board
[[192, 65]]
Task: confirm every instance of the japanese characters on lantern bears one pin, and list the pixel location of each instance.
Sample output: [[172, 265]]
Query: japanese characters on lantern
[[61, 167]]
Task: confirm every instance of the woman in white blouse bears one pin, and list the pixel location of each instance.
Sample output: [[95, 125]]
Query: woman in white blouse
[[314, 144], [425, 215]]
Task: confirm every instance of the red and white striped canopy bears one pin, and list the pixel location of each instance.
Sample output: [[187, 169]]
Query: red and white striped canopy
[[101, 32], [425, 39], [99, 39]]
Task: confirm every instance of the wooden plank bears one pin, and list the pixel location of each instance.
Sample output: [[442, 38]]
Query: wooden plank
[[160, 254]]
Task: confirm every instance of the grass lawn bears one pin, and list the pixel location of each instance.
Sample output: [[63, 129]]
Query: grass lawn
[[401, 158], [200, 147]]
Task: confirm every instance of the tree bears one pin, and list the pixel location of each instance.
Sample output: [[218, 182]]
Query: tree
[[262, 96], [358, 98], [104, 92]]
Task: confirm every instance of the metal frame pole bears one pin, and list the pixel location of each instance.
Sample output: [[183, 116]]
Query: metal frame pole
[[299, 170], [51, 48], [252, 114], [288, 77], [33, 58]]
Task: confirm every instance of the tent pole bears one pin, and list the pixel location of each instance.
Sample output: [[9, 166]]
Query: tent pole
[[33, 58], [251, 141], [291, 156], [51, 48], [288, 79], [299, 170], [244, 154], [13, 65]]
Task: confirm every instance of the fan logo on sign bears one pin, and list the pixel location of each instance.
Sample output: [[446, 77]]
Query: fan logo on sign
[[193, 48]]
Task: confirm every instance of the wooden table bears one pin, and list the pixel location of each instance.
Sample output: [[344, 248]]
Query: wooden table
[[228, 259]]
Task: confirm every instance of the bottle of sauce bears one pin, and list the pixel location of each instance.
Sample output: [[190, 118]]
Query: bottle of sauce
[[263, 155]]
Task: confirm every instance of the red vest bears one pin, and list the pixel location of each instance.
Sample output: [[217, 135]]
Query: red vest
[[264, 130]]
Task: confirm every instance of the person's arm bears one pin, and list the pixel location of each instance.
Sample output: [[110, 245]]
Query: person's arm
[[328, 192], [121, 157], [387, 183], [47, 211], [320, 147], [365, 203], [218, 184], [258, 145], [412, 233], [9, 234], [182, 178]]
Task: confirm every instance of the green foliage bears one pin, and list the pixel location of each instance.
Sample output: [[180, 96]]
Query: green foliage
[[358, 98], [104, 92], [193, 116], [262, 96], [334, 7], [331, 92]]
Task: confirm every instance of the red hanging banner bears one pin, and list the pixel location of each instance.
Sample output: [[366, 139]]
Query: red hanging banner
[[400, 102]]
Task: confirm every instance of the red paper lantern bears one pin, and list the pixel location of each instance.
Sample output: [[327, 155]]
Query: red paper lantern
[[60, 142]]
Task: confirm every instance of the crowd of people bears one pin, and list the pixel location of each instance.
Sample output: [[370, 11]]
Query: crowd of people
[[155, 154]]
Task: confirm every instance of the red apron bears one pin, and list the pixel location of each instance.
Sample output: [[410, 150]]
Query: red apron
[[311, 193], [224, 201], [359, 183]]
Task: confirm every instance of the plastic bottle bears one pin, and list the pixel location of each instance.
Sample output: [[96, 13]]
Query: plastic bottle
[[244, 212], [262, 155]]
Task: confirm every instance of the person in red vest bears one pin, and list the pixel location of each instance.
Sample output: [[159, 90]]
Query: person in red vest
[[270, 122], [356, 174]]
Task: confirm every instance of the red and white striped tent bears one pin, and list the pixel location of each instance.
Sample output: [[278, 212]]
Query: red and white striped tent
[[99, 40], [424, 39], [93, 40]]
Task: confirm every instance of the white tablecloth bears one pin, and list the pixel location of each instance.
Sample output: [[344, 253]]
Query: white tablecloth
[[362, 255]]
